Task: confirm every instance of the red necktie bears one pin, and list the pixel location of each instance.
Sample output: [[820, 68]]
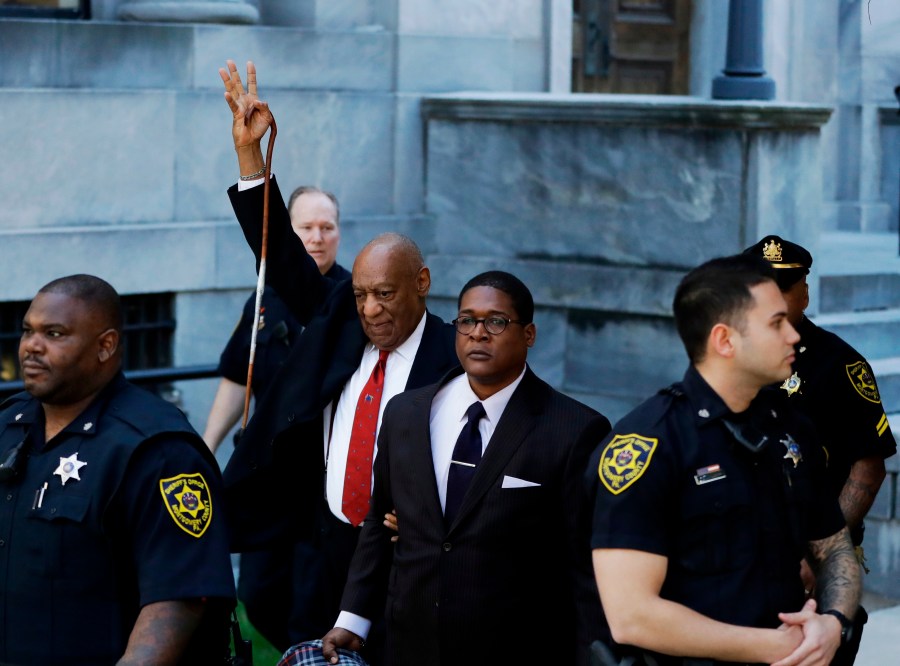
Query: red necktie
[[358, 477]]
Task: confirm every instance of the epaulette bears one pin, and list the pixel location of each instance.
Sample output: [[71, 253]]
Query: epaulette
[[21, 396], [674, 390]]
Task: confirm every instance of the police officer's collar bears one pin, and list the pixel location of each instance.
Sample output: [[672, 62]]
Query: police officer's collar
[[706, 405], [23, 412], [29, 412], [86, 422]]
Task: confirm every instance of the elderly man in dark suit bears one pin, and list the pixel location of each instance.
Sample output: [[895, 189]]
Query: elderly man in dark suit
[[484, 470], [366, 340]]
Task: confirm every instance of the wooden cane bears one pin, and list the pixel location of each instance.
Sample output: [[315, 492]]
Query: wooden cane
[[261, 279]]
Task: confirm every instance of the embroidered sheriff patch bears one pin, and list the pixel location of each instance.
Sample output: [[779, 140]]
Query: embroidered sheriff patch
[[863, 381], [188, 502], [624, 460]]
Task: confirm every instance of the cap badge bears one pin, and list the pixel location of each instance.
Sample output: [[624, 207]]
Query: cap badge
[[772, 251]]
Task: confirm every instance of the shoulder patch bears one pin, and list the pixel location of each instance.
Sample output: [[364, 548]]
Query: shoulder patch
[[187, 500], [624, 460], [863, 381]]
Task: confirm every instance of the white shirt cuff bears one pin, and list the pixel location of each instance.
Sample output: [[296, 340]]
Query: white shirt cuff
[[247, 184], [355, 623]]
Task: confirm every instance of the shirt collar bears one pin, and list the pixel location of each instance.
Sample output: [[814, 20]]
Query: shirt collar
[[494, 406], [410, 346], [706, 404]]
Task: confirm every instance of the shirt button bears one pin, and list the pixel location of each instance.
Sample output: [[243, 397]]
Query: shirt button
[[447, 547], [9, 497]]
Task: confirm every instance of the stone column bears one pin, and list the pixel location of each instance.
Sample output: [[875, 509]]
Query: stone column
[[744, 76], [192, 11]]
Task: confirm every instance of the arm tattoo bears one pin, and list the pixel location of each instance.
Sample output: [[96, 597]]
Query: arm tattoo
[[837, 573], [162, 632], [860, 489]]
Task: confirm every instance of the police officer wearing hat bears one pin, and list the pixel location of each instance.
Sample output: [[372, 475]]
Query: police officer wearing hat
[[112, 540], [834, 386], [709, 494]]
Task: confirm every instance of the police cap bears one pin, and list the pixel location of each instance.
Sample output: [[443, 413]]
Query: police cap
[[790, 260]]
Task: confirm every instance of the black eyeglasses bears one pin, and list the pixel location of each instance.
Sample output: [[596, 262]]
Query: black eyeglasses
[[493, 325]]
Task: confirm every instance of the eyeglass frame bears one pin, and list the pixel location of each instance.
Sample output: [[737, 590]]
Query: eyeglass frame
[[484, 323]]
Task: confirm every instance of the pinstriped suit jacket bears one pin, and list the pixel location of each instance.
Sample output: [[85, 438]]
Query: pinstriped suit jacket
[[510, 581]]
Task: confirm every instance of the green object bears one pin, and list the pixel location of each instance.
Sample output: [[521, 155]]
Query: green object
[[264, 653]]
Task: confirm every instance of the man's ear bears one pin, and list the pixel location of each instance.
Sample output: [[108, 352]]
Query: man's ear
[[721, 341], [108, 344], [530, 334], [423, 282]]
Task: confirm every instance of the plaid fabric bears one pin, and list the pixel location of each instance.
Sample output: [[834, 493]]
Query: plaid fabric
[[309, 653]]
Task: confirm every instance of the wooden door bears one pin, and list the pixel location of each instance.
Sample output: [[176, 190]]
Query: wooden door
[[631, 46]]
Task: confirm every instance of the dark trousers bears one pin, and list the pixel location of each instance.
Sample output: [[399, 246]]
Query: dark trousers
[[336, 543], [280, 591]]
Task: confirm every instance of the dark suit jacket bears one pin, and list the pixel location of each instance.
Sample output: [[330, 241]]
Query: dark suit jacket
[[510, 581], [274, 482]]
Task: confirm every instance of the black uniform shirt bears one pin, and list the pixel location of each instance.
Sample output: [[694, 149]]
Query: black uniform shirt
[[673, 480], [119, 510], [278, 331], [835, 388]]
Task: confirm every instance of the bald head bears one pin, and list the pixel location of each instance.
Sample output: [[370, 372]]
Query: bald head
[[390, 283], [70, 340], [99, 295]]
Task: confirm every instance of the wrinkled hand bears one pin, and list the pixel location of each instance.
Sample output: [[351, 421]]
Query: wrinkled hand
[[390, 521], [821, 636], [339, 638], [251, 117]]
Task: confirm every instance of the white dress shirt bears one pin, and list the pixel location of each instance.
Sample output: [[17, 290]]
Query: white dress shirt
[[396, 374], [448, 416]]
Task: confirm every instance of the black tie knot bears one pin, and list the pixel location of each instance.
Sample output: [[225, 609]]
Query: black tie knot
[[475, 412]]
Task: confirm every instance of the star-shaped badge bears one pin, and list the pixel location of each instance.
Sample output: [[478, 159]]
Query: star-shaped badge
[[68, 468], [792, 384], [793, 449]]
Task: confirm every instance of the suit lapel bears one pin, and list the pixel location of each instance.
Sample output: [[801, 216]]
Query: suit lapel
[[515, 424], [436, 354], [420, 457]]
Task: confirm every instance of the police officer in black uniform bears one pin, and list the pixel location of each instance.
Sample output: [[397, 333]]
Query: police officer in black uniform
[[112, 541], [708, 496], [834, 386], [277, 587]]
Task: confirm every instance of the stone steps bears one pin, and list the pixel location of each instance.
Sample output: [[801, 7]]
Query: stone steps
[[874, 333], [858, 272], [887, 371]]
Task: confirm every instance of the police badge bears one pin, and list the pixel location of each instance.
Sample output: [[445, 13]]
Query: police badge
[[624, 460], [863, 381], [187, 499], [792, 384]]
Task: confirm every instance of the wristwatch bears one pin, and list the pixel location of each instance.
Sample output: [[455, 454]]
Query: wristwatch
[[846, 625]]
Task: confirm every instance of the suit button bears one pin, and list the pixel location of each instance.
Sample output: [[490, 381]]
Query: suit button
[[447, 547], [291, 418]]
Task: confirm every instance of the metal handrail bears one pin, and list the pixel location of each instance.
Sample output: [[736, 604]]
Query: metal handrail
[[147, 376]]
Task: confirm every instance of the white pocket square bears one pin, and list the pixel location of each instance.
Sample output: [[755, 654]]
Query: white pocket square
[[513, 482]]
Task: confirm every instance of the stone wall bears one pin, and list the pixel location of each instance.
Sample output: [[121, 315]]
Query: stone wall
[[600, 203]]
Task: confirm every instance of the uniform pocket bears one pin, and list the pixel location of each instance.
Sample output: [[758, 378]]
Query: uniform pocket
[[59, 519], [718, 532]]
